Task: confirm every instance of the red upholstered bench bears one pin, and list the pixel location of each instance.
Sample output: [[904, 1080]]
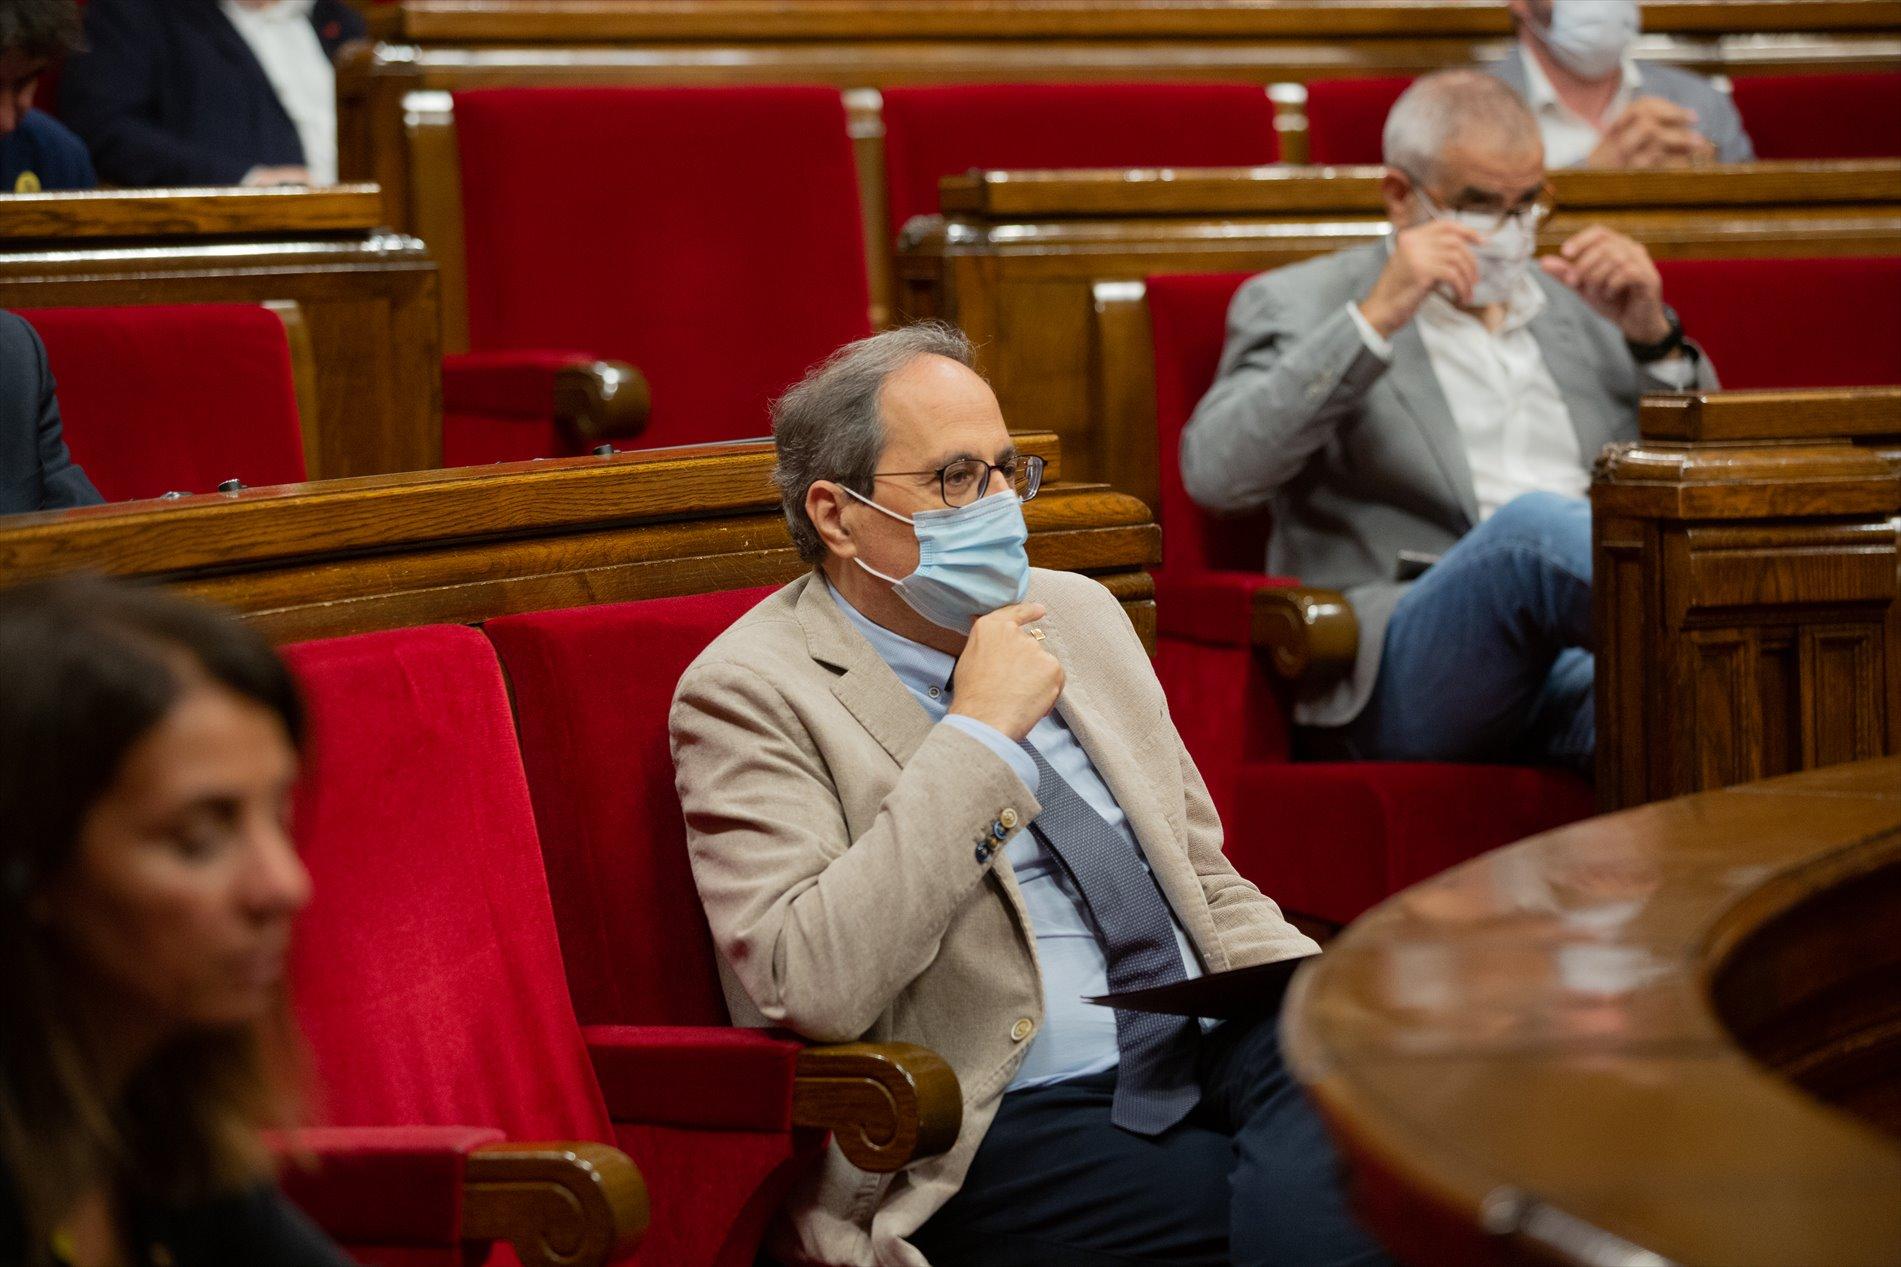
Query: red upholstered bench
[[1346, 118], [428, 978], [174, 398], [1821, 116], [1740, 311], [592, 689], [942, 130], [1324, 839], [708, 236]]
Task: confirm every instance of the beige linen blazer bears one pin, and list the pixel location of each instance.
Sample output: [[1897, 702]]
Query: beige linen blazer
[[833, 832]]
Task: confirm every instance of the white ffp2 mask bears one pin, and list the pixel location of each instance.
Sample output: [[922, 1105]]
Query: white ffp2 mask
[[1589, 38]]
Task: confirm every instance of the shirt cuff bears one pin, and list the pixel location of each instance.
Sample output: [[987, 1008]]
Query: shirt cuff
[[1001, 744], [1677, 371], [1376, 343]]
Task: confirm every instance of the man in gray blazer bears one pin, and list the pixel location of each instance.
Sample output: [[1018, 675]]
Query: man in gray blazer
[[1598, 106], [934, 795], [1438, 398]]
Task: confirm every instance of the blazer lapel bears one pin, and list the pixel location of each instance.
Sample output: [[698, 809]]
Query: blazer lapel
[[866, 686], [1165, 851], [1417, 387], [1565, 346]]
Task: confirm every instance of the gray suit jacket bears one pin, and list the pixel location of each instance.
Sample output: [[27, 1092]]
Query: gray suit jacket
[[1716, 116], [833, 831], [1359, 459]]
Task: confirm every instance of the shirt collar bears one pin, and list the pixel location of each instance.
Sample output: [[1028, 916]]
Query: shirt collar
[[919, 667], [283, 11], [1542, 97]]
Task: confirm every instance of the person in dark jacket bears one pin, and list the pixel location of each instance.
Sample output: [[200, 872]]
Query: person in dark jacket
[[147, 889], [36, 151], [36, 471], [209, 92]]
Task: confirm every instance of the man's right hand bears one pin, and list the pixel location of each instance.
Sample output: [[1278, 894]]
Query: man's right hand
[[1425, 257], [1652, 132], [1005, 678]]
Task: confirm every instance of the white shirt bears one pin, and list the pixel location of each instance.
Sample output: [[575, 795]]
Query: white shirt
[[1569, 136], [286, 46]]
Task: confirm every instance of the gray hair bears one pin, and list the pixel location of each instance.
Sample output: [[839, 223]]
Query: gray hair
[[1451, 105], [828, 425]]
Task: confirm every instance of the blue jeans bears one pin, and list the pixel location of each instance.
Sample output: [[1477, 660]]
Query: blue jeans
[[1250, 1179], [1487, 657]]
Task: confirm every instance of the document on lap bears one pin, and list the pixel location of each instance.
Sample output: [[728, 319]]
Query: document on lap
[[1236, 994]]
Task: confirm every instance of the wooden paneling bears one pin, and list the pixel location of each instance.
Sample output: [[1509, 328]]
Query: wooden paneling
[[367, 295], [1612, 1043], [353, 555], [1044, 269], [1746, 590]]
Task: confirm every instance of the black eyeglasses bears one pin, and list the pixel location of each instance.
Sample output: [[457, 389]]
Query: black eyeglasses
[[962, 482]]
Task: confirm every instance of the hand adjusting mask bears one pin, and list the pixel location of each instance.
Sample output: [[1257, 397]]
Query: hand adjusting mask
[[971, 560]]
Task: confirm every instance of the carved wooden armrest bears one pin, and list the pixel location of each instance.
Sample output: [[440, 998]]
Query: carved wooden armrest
[[1311, 635], [568, 1203], [601, 400], [886, 1104]]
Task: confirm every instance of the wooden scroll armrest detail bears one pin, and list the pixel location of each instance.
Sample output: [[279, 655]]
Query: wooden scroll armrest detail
[[1310, 634], [886, 1104], [601, 400], [566, 1203]]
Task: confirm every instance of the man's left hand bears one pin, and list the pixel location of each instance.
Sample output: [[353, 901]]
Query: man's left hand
[[1615, 275]]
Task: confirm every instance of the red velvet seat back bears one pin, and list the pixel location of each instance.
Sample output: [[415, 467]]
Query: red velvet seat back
[[1347, 117], [1188, 319], [174, 398], [933, 132], [709, 236], [592, 688], [1847, 334], [1822, 116], [426, 970]]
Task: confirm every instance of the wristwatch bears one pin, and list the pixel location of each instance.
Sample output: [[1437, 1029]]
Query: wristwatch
[[1646, 353]]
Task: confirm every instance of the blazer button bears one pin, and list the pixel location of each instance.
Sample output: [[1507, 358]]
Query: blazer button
[[1008, 817], [1021, 1030], [982, 854]]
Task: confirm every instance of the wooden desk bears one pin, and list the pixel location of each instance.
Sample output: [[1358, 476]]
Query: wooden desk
[[1611, 1043], [1745, 559], [1044, 269], [349, 556], [368, 295]]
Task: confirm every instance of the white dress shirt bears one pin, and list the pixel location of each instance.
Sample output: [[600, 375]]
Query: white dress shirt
[[1077, 1038], [285, 44], [1569, 136]]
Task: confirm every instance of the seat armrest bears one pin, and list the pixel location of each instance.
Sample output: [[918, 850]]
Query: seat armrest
[[886, 1104], [594, 400], [562, 1204], [397, 1185], [1308, 634]]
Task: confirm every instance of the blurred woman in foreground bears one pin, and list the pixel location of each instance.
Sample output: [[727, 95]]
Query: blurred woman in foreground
[[147, 887]]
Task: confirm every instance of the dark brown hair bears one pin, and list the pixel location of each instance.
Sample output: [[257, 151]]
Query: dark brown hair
[[87, 668], [40, 28]]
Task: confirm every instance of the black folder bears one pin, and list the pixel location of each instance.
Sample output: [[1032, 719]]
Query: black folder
[[1237, 994]]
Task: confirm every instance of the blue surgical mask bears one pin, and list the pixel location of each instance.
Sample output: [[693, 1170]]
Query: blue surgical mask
[[970, 560]]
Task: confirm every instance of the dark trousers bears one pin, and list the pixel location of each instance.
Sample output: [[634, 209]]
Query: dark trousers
[[1250, 1178]]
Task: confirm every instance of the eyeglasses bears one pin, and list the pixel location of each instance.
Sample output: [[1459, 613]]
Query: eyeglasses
[[1530, 214], [962, 482]]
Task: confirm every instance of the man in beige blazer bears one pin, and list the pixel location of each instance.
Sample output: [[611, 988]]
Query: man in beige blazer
[[887, 853]]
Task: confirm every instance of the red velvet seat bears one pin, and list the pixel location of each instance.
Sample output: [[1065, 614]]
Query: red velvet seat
[[1821, 116], [174, 398], [592, 687], [938, 131], [1325, 839], [1347, 117], [1849, 334], [426, 971], [709, 236]]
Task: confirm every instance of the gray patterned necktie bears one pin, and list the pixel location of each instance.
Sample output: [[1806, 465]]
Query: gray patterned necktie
[[1155, 1081]]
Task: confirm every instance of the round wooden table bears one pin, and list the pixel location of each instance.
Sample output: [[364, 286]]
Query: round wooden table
[[1668, 1035]]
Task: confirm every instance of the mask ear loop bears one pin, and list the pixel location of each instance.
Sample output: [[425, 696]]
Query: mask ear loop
[[892, 580]]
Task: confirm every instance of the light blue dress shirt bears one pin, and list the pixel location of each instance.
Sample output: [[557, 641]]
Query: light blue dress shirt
[[1077, 1038]]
